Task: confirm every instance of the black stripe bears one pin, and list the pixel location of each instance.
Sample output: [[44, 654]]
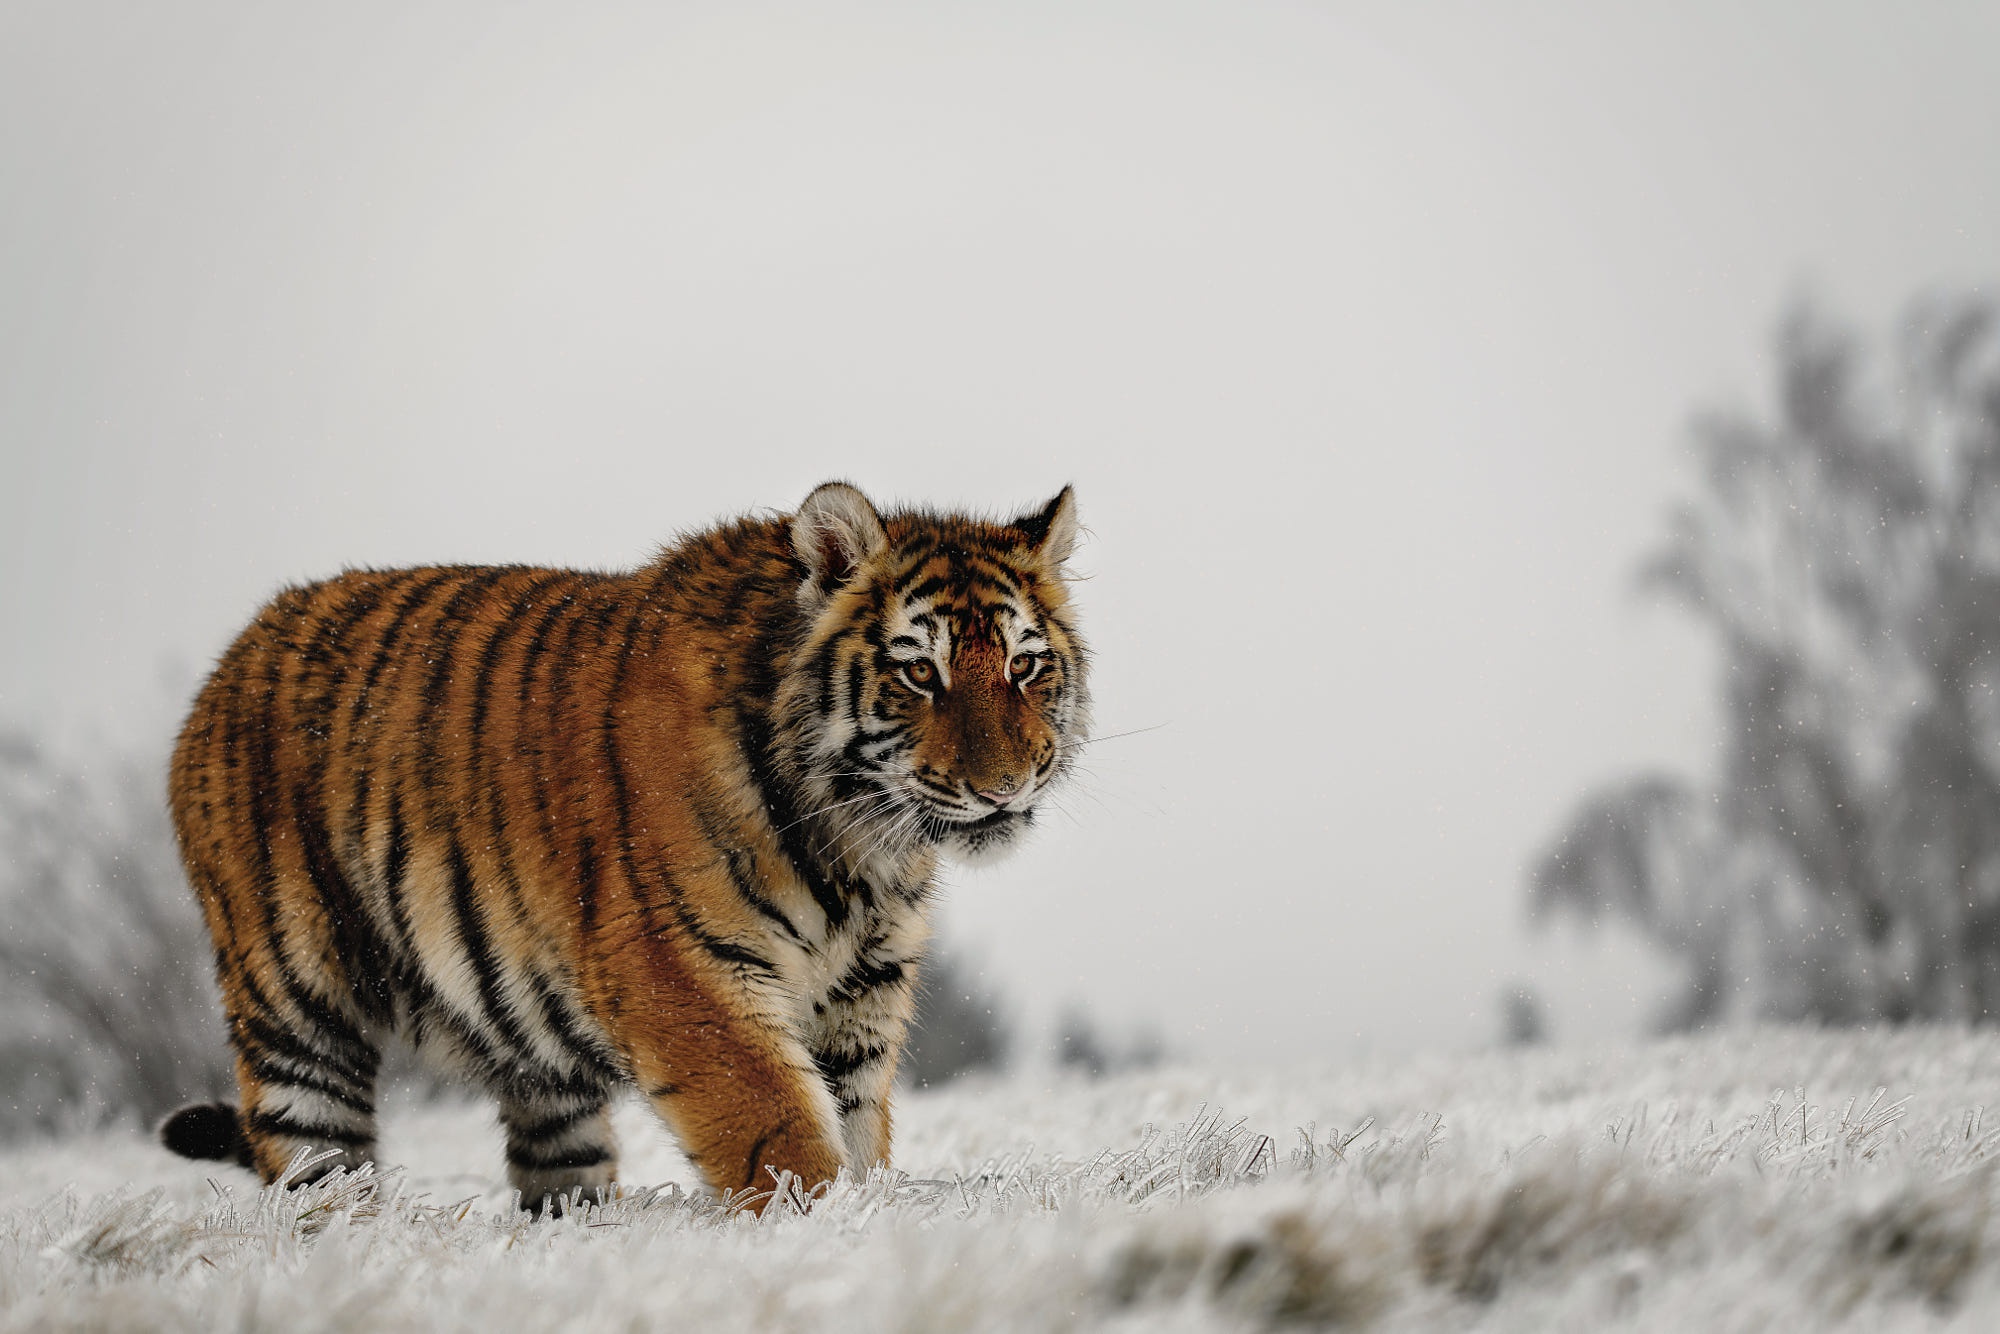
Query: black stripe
[[385, 647], [507, 1071], [977, 581], [356, 611], [324, 646], [533, 658], [588, 861], [741, 864], [591, 889], [359, 759], [357, 814], [276, 1123], [322, 1017], [822, 670], [585, 1049], [937, 583], [726, 950], [614, 763], [358, 607], [253, 1035], [330, 644], [262, 777], [393, 871], [900, 588], [994, 568], [426, 1006], [742, 875], [443, 650], [264, 1065], [567, 1160], [858, 782], [950, 792], [472, 937], [757, 1150], [538, 641], [866, 976], [362, 955], [857, 677], [253, 731], [784, 819], [510, 629], [836, 1066], [852, 784], [361, 1059], [553, 1125], [504, 1070]]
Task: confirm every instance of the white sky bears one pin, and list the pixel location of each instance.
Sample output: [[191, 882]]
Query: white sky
[[1368, 333]]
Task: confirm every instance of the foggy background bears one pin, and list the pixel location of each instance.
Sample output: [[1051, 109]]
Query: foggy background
[[1369, 334]]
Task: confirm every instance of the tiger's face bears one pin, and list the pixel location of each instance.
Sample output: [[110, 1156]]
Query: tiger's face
[[948, 679]]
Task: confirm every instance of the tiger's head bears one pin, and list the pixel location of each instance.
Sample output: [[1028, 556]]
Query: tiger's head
[[941, 688]]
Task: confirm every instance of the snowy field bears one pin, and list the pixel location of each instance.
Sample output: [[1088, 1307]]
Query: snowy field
[[1751, 1181]]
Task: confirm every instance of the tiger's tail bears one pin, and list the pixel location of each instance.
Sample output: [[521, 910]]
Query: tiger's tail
[[207, 1130]]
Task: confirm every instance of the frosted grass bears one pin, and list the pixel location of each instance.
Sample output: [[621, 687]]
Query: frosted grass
[[1731, 1182]]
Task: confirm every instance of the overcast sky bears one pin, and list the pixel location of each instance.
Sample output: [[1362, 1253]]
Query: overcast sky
[[1368, 334]]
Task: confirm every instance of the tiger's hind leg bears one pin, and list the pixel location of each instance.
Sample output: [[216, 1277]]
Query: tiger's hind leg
[[559, 1141], [305, 1085]]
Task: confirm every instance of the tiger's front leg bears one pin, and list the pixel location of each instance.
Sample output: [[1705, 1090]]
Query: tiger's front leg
[[863, 1097], [856, 1043], [734, 1085]]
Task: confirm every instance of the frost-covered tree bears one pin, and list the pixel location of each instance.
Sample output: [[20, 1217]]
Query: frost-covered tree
[[106, 1002], [1845, 863]]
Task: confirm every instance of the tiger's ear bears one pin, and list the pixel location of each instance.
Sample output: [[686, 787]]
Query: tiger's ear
[[1052, 530], [835, 530]]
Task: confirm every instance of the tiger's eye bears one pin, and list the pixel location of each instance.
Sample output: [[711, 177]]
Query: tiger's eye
[[920, 672], [1022, 664]]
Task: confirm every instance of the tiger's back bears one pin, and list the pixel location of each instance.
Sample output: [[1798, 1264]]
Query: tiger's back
[[563, 830]]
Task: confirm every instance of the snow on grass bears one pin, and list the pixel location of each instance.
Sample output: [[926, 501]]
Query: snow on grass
[[1822, 1180]]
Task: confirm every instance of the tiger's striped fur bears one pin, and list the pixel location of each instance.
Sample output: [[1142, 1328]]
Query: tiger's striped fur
[[677, 827]]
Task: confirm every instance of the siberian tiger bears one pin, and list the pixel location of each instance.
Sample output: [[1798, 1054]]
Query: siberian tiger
[[677, 827]]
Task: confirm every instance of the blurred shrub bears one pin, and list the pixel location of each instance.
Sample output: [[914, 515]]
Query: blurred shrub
[[107, 1003], [1082, 1045], [960, 1027], [1844, 865], [1523, 1018]]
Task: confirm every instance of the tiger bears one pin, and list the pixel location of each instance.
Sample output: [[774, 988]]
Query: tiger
[[676, 829]]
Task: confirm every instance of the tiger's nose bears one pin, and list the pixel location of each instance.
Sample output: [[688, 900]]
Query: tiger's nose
[[1001, 792]]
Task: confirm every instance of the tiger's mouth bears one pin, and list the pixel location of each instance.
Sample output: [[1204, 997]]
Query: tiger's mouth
[[943, 824], [990, 820], [982, 839]]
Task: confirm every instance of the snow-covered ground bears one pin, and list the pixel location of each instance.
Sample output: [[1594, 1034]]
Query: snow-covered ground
[[1749, 1181]]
